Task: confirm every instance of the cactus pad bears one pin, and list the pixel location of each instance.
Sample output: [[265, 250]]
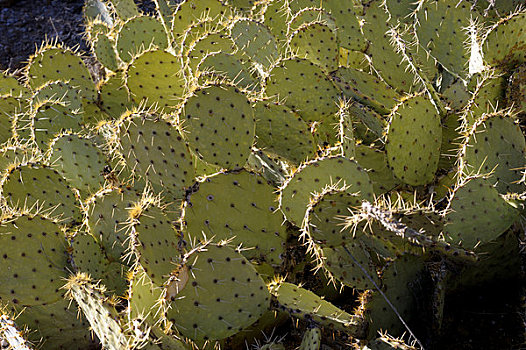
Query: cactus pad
[[505, 42], [238, 206], [138, 34], [314, 176], [155, 76], [33, 253], [256, 41], [477, 214], [413, 140], [238, 299], [219, 125]]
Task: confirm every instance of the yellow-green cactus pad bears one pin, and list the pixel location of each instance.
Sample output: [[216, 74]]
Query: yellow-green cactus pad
[[104, 49], [222, 65], [239, 206], [155, 243], [156, 78], [366, 89], [256, 41], [190, 12], [10, 86], [309, 15], [107, 216], [114, 98], [9, 107], [276, 17], [55, 63], [281, 131], [34, 260], [477, 214], [496, 145], [236, 298], [317, 43], [139, 34], [441, 30], [505, 43], [487, 97], [208, 44], [154, 149], [413, 140], [38, 187], [219, 125], [314, 176], [375, 162], [305, 88], [302, 303], [79, 161], [57, 92]]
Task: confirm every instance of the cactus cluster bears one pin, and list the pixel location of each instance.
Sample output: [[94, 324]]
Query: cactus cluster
[[228, 165]]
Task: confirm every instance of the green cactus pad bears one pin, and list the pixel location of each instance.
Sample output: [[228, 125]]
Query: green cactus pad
[[103, 48], [107, 214], [303, 303], [50, 119], [505, 42], [9, 106], [282, 132], [496, 144], [33, 255], [487, 97], [324, 50], [138, 34], [314, 176], [124, 9], [275, 18], [346, 132], [441, 30], [12, 156], [190, 12], [38, 187], [10, 86], [239, 206], [144, 297], [451, 137], [343, 268], [269, 167], [384, 57], [239, 296], [155, 76], [55, 63], [155, 151], [413, 140], [477, 214], [79, 161], [219, 125], [400, 285], [100, 312], [317, 97], [51, 322], [309, 15], [208, 44], [155, 243], [366, 89], [256, 41], [326, 214], [88, 257], [311, 339], [114, 98], [375, 162], [57, 92], [349, 29], [222, 65]]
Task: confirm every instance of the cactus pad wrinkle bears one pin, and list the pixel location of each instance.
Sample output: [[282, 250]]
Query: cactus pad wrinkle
[[238, 206]]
